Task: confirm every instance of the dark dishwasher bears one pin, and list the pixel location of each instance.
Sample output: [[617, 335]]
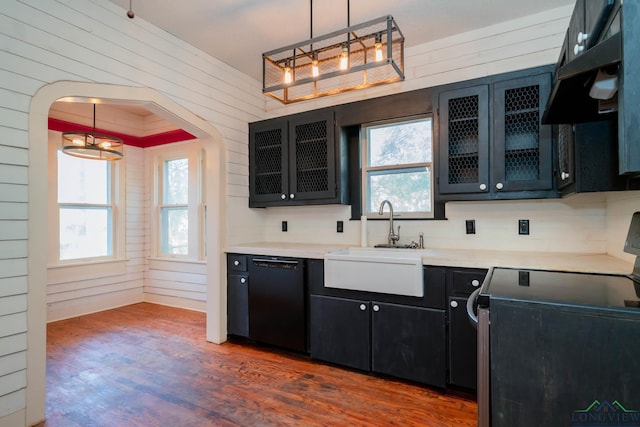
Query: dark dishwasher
[[276, 302]]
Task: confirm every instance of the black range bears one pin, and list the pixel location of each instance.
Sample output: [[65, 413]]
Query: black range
[[565, 288]]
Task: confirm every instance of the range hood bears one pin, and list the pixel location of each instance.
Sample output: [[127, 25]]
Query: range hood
[[572, 96]]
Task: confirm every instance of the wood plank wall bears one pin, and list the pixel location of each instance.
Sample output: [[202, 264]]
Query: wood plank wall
[[44, 41]]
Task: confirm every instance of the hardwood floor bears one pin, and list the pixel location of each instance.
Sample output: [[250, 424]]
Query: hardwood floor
[[149, 365]]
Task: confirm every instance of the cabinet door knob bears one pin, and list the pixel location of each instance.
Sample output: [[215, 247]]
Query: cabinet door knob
[[292, 196], [363, 307], [454, 304], [283, 196], [483, 187], [564, 175], [376, 308], [578, 49], [475, 283], [243, 280], [499, 186], [236, 263], [582, 37]]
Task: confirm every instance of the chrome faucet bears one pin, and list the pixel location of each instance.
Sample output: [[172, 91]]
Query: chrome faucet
[[393, 237]]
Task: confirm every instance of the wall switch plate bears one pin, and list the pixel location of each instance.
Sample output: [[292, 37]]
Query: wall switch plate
[[470, 226], [523, 227], [339, 226], [284, 225]]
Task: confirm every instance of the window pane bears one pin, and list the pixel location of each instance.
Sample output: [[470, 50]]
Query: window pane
[[407, 190], [83, 180], [176, 182], [85, 233], [399, 143], [175, 231]]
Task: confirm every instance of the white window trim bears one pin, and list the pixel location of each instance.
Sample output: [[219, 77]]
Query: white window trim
[[194, 151], [118, 210], [365, 169]]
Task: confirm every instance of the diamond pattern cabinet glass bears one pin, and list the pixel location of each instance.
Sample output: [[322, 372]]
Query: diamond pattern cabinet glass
[[312, 157], [522, 147], [464, 140], [268, 174]]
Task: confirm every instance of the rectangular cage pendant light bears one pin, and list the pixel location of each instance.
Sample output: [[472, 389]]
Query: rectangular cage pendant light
[[357, 57]]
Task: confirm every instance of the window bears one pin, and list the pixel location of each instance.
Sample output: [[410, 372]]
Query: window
[[397, 166], [180, 209], [174, 211], [85, 196]]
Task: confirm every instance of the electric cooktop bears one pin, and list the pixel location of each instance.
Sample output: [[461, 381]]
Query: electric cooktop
[[581, 289]]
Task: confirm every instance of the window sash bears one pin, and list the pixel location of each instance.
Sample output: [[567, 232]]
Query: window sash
[[89, 239], [369, 206], [179, 218]]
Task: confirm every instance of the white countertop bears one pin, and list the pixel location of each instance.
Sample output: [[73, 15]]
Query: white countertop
[[560, 261]]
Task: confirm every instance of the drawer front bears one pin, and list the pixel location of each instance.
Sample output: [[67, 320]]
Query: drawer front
[[236, 262], [464, 282]]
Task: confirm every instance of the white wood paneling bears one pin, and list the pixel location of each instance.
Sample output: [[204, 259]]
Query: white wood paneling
[[13, 343], [11, 408], [13, 362], [13, 304], [13, 285], [13, 324]]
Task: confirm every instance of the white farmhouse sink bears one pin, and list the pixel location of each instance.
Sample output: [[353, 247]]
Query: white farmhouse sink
[[397, 272]]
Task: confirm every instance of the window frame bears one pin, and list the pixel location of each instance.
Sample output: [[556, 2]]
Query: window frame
[[365, 170], [117, 205], [195, 205]]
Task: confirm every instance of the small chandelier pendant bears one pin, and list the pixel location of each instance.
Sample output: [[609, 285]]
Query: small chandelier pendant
[[92, 145]]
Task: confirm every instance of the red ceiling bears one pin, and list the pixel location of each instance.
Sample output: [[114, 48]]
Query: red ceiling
[[137, 141]]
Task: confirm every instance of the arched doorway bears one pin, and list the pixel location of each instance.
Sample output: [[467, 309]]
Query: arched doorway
[[216, 172]]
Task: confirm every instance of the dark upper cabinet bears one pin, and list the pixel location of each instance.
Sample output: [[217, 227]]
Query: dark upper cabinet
[[295, 160], [464, 135], [588, 158], [586, 24], [268, 162], [491, 141], [522, 151]]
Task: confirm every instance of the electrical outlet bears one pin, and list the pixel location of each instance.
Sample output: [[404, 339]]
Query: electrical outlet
[[339, 226], [523, 227], [284, 226], [471, 226]]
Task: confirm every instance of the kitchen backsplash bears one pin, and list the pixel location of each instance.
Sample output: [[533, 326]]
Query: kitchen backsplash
[[584, 223]]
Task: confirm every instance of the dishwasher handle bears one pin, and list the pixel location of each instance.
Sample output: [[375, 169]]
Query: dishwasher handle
[[274, 263]]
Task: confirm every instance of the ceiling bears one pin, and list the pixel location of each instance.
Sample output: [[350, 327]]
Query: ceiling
[[239, 31]]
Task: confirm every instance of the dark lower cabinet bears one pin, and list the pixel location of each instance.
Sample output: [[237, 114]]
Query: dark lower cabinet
[[238, 305], [408, 342], [237, 295], [339, 331], [403, 341], [462, 345], [462, 335]]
